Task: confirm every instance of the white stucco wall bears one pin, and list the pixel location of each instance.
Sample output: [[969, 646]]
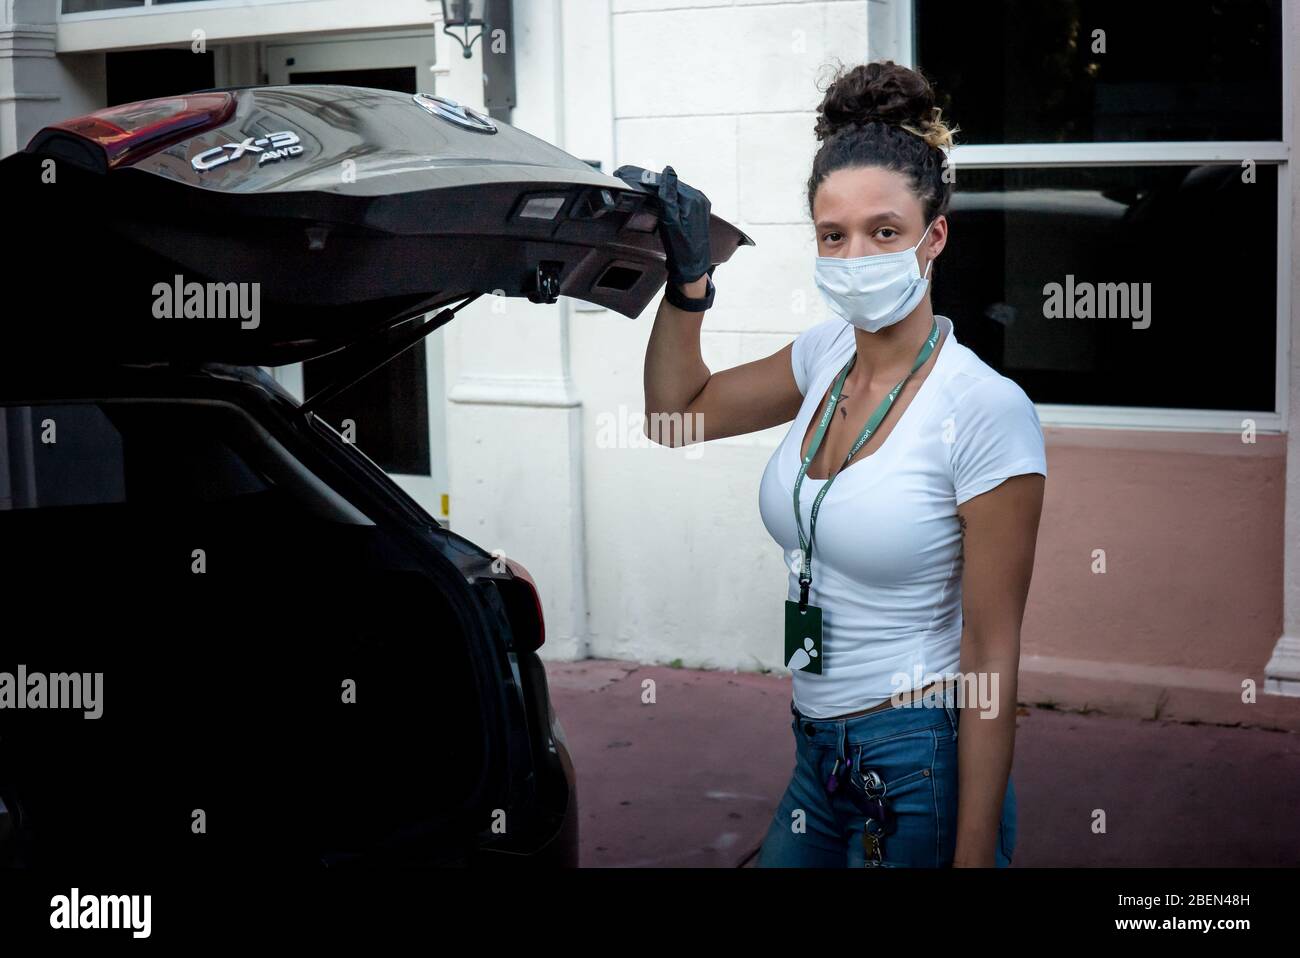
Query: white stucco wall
[[679, 563], [37, 86]]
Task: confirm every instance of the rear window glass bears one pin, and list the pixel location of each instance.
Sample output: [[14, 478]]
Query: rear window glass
[[79, 454]]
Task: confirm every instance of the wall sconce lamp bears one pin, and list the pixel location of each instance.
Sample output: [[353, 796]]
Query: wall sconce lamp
[[494, 18], [463, 14]]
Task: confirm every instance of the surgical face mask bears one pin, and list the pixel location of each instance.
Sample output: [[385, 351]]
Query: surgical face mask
[[875, 291]]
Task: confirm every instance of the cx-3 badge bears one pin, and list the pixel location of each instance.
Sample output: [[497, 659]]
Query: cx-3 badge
[[276, 146], [454, 112]]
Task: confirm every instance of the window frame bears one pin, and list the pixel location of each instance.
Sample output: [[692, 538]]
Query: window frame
[[151, 6], [891, 34]]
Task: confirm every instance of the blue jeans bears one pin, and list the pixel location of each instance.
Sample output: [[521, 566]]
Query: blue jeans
[[914, 751]]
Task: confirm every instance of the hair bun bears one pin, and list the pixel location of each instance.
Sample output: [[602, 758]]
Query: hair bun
[[883, 92]]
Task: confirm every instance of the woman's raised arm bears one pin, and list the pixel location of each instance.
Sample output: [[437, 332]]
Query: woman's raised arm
[[684, 402]]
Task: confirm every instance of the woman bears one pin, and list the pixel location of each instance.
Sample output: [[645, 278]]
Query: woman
[[918, 559]]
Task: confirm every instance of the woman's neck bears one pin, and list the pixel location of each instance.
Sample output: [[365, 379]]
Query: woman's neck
[[890, 353]]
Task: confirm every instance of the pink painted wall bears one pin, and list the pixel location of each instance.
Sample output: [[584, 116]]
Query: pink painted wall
[[1192, 527]]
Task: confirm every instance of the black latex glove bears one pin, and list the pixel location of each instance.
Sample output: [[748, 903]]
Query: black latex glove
[[683, 221]]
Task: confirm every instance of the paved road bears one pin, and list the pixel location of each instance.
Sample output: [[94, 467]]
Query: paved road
[[693, 778]]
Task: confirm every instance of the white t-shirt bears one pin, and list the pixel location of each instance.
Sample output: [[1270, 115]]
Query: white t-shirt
[[887, 562]]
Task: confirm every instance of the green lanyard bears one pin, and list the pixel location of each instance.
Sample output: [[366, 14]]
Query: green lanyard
[[806, 546]]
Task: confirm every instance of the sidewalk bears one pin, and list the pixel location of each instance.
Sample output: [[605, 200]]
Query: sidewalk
[[693, 779]]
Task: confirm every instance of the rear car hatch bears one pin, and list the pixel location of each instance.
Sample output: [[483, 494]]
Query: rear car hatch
[[269, 225]]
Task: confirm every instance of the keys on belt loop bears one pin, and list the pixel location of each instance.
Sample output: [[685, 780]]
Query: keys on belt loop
[[871, 833], [870, 799]]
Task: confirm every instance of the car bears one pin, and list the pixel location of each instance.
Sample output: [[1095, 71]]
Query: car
[[293, 663]]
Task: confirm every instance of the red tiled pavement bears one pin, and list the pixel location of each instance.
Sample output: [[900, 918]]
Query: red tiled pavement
[[693, 779]]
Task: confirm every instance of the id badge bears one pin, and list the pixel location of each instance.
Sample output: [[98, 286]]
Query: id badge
[[803, 638]]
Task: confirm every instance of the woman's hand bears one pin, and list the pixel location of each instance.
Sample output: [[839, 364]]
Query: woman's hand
[[685, 402], [683, 221]]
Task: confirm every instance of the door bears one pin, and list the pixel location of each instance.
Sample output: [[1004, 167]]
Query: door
[[397, 415]]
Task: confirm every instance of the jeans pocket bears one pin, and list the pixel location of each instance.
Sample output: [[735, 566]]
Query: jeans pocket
[[905, 765]]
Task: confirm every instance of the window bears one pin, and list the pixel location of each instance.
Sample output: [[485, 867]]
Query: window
[[111, 7], [137, 454], [131, 75], [94, 6], [1096, 71], [1178, 261], [1127, 159], [388, 409]]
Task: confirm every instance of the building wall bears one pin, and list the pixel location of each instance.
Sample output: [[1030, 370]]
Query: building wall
[[37, 85]]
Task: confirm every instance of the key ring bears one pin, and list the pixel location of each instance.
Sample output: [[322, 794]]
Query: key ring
[[872, 784]]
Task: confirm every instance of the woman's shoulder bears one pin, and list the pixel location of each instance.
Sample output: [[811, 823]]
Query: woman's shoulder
[[975, 385], [991, 427], [815, 346]]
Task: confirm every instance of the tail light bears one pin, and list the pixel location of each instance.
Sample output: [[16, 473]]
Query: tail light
[[134, 130], [523, 608]]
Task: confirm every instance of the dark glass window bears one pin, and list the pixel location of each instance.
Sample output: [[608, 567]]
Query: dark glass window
[[1024, 71], [390, 409], [91, 6], [132, 75], [140, 454], [1201, 241]]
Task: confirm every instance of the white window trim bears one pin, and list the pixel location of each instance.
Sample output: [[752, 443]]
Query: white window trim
[[890, 35], [230, 21], [150, 7], [1146, 153], [1157, 419]]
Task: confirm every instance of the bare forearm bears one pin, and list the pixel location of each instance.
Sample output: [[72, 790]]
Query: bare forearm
[[675, 372], [985, 749]]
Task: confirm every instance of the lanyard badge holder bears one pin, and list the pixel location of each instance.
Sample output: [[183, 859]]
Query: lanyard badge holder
[[803, 622]]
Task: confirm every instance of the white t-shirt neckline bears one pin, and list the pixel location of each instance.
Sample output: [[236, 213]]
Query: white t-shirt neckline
[[813, 401]]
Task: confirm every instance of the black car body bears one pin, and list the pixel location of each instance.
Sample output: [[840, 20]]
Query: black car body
[[299, 664]]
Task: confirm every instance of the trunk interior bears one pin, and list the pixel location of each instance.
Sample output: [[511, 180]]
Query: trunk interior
[[224, 691]]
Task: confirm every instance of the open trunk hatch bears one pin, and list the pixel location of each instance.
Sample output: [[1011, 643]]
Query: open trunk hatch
[[269, 225]]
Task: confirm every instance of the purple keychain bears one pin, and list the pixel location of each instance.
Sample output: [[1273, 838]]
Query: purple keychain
[[833, 779]]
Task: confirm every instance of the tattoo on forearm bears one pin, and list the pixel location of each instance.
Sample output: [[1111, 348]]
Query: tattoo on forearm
[[962, 522]]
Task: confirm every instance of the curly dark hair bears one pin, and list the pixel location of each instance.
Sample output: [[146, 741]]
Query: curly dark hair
[[883, 114]]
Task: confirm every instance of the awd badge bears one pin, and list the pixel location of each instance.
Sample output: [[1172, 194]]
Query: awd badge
[[276, 146]]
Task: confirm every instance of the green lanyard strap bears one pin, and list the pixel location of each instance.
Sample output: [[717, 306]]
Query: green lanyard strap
[[806, 546]]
